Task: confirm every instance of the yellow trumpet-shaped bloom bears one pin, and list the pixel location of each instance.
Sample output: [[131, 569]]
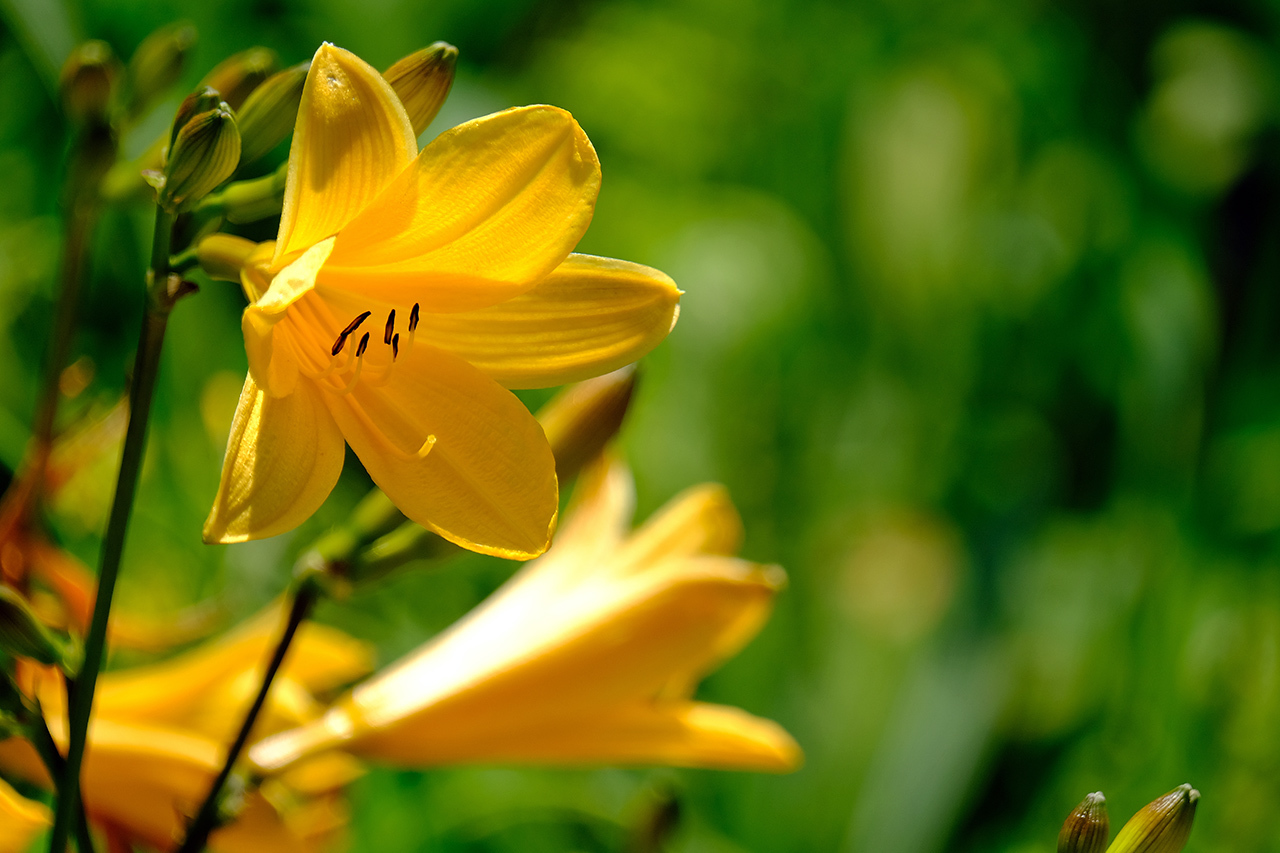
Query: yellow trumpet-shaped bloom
[[405, 293], [588, 655], [158, 737], [20, 820]]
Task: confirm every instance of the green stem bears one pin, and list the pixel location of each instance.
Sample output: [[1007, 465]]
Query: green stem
[[145, 369], [306, 592], [42, 739]]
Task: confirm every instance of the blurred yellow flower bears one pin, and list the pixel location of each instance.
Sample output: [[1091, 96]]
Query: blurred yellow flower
[[405, 294], [158, 735], [589, 655], [20, 820]]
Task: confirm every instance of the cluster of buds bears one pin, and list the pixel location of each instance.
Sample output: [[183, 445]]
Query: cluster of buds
[[1163, 826]]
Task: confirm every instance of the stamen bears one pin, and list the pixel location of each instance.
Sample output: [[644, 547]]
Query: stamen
[[426, 447], [413, 317], [395, 346], [364, 342], [391, 327], [346, 333]]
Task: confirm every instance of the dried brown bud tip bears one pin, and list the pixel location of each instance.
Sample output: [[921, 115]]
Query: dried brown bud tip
[[1086, 829]]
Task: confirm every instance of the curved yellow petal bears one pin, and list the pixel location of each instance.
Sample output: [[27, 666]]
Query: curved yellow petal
[[272, 361], [489, 209], [351, 138], [283, 458], [21, 820], [680, 734], [208, 688], [700, 520], [589, 316], [582, 654], [456, 452]]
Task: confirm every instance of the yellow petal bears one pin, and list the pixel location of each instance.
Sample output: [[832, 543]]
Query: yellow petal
[[589, 316], [456, 452], [273, 363], [489, 209], [142, 778], [207, 689], [283, 458], [583, 654], [700, 520], [681, 734], [20, 820], [351, 138]]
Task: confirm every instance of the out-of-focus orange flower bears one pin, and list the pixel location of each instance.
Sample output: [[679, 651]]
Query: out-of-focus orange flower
[[20, 820], [158, 735], [589, 655]]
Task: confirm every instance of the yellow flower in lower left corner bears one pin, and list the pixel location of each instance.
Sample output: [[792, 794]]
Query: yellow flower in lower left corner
[[158, 735], [20, 820]]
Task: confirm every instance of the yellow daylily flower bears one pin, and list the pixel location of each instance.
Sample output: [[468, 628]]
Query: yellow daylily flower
[[158, 737], [405, 294], [21, 820], [599, 645]]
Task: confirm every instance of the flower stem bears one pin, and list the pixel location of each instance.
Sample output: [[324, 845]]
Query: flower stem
[[305, 594], [160, 296], [42, 740]]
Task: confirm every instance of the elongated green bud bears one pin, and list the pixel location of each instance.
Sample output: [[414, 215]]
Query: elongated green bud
[[422, 81], [268, 115], [22, 634], [1086, 829], [88, 82], [581, 419], [158, 63], [199, 101], [204, 154], [237, 76], [1162, 826]]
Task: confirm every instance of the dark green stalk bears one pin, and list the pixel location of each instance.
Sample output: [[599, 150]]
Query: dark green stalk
[[42, 740], [306, 592], [160, 297]]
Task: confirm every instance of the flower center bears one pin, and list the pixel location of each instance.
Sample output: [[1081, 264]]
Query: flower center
[[390, 338]]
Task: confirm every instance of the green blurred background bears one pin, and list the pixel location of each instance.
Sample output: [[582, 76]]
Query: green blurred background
[[979, 330]]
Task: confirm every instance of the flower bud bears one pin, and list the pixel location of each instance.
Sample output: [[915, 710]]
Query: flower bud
[[1162, 827], [23, 635], [88, 81], [269, 113], [204, 154], [580, 420], [200, 101], [1086, 828], [223, 256], [158, 63], [422, 81], [237, 76]]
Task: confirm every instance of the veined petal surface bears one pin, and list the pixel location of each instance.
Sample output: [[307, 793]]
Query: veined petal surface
[[283, 458], [487, 211], [589, 316], [351, 138], [456, 452]]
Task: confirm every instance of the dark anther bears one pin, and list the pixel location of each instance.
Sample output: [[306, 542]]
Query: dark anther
[[413, 317], [364, 345], [391, 327], [395, 346], [346, 333]]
